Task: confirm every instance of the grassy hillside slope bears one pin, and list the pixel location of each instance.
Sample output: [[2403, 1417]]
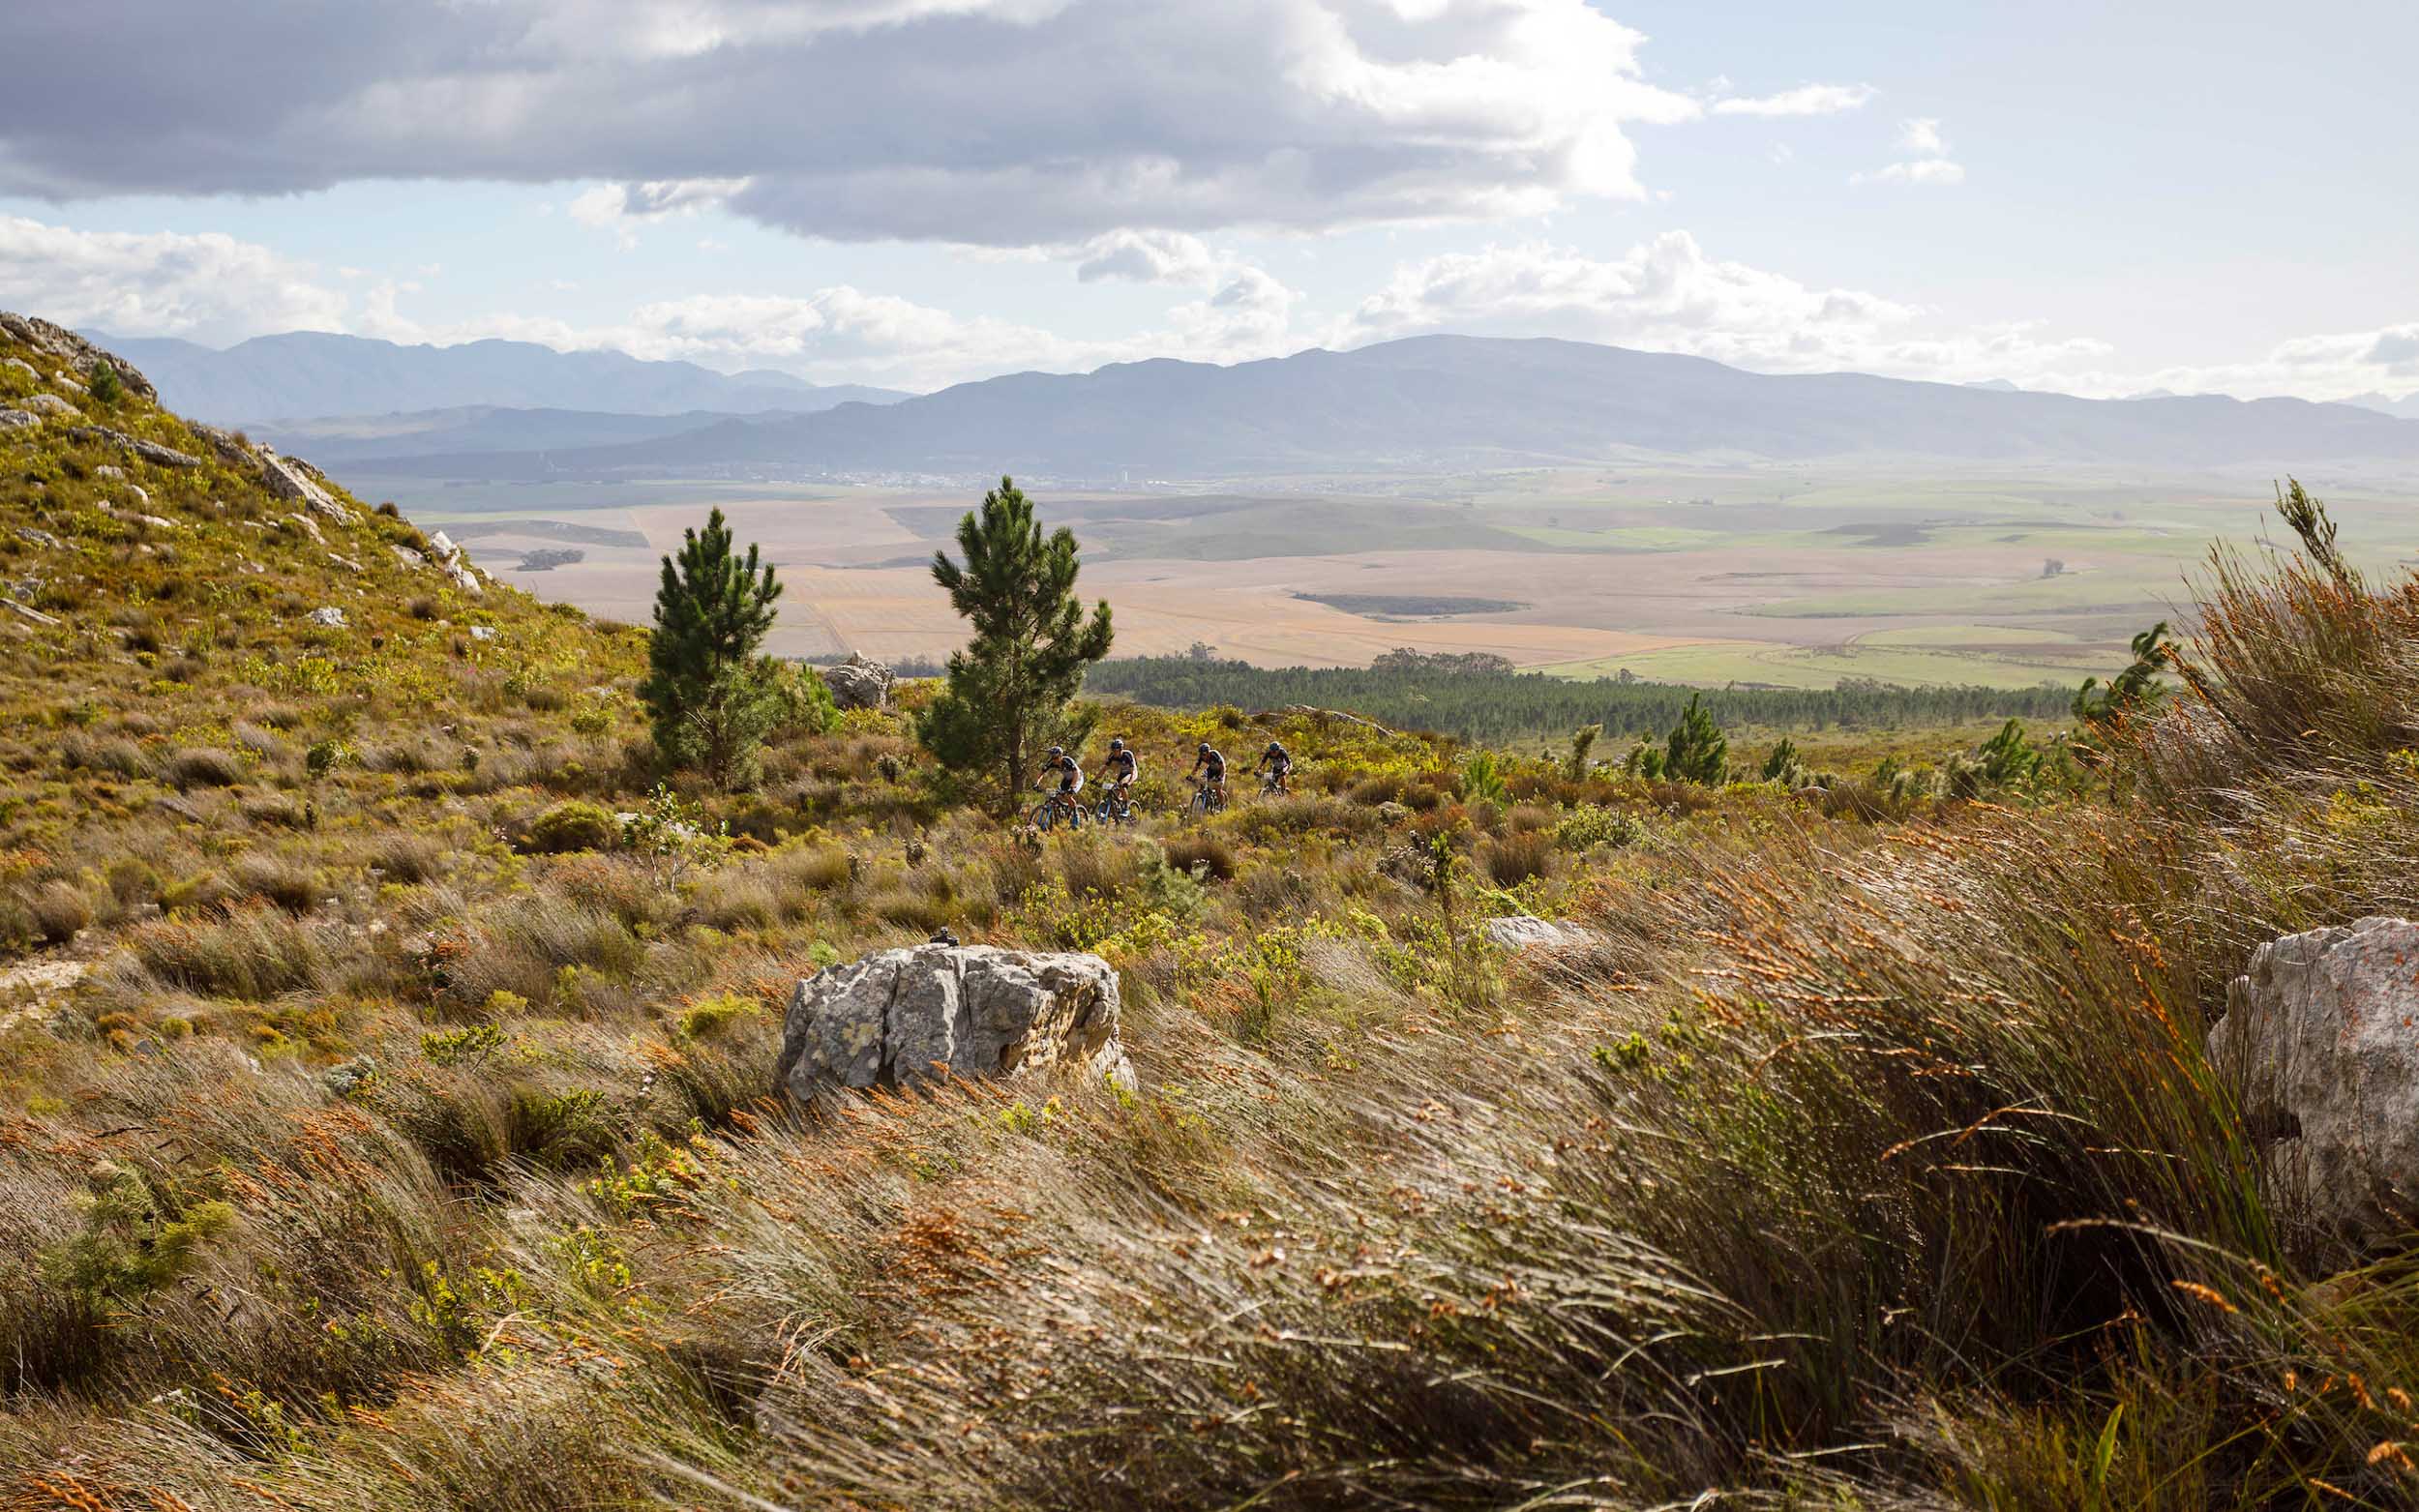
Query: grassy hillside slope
[[404, 1141]]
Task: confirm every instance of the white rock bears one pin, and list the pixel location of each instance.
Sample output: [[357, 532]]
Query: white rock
[[482, 632], [1526, 932], [333, 618], [441, 546], [407, 556], [899, 1017], [2318, 1037], [18, 420], [109, 471], [289, 478], [51, 405]]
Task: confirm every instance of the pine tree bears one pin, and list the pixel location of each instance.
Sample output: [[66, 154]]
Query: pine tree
[[708, 694], [1786, 765], [1698, 750], [1009, 692]]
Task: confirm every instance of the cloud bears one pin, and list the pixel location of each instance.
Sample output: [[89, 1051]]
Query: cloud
[[2335, 365], [1922, 138], [623, 208], [1931, 162], [1922, 171], [999, 121], [1668, 295], [1805, 100], [1144, 258], [209, 288]]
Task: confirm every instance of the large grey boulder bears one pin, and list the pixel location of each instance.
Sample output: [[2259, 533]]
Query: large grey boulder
[[899, 1017], [859, 683], [2322, 1039]]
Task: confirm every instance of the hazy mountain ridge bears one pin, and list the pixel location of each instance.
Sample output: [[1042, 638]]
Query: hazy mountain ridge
[[473, 428], [1443, 401], [303, 373]]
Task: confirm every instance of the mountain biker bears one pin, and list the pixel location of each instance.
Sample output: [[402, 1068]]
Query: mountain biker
[[1211, 763], [1070, 775], [1121, 769], [1276, 761]]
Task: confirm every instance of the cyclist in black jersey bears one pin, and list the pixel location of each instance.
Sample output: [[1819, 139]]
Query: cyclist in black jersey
[[1061, 765], [1209, 763], [1122, 770], [1277, 762]]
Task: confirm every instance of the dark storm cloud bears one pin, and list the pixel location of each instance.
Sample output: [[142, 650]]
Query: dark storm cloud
[[1000, 120]]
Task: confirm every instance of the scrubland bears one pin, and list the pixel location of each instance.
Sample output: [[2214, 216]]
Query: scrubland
[[408, 1141]]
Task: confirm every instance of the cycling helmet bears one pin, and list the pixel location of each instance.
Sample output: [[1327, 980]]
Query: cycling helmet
[[1274, 746], [1203, 748], [1058, 751], [1117, 742]]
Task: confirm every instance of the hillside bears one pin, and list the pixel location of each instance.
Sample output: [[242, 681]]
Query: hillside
[[388, 1116], [311, 373], [1443, 402]]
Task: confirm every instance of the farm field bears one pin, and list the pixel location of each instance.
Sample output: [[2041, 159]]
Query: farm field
[[1790, 577]]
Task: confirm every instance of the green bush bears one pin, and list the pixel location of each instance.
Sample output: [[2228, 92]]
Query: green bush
[[1588, 827], [574, 825]]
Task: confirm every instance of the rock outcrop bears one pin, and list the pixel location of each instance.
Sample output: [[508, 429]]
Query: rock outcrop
[[151, 451], [2321, 1040], [292, 478], [1527, 932], [899, 1017], [859, 683], [61, 342]]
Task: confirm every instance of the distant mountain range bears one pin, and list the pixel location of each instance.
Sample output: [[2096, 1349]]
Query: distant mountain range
[[339, 439], [2406, 408], [1445, 403], [306, 373]]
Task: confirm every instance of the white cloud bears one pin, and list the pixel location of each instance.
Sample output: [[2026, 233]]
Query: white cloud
[[1805, 100], [1922, 170], [1922, 138], [1145, 257], [1003, 122], [2336, 365], [1668, 295], [209, 288], [1929, 162]]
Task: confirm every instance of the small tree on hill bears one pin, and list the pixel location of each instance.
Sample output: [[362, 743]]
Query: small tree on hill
[[1009, 690], [1698, 750], [1786, 765], [711, 698], [1582, 741]]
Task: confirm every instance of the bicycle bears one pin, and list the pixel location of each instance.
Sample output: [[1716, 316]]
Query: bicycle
[[1050, 810], [1208, 799], [1272, 785], [1116, 805]]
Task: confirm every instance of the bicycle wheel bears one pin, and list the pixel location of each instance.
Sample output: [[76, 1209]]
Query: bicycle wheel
[[1044, 815]]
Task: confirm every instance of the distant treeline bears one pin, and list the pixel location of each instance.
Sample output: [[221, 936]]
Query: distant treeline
[[1481, 699]]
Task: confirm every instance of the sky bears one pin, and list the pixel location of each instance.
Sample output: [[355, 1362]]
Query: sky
[[2105, 199]]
